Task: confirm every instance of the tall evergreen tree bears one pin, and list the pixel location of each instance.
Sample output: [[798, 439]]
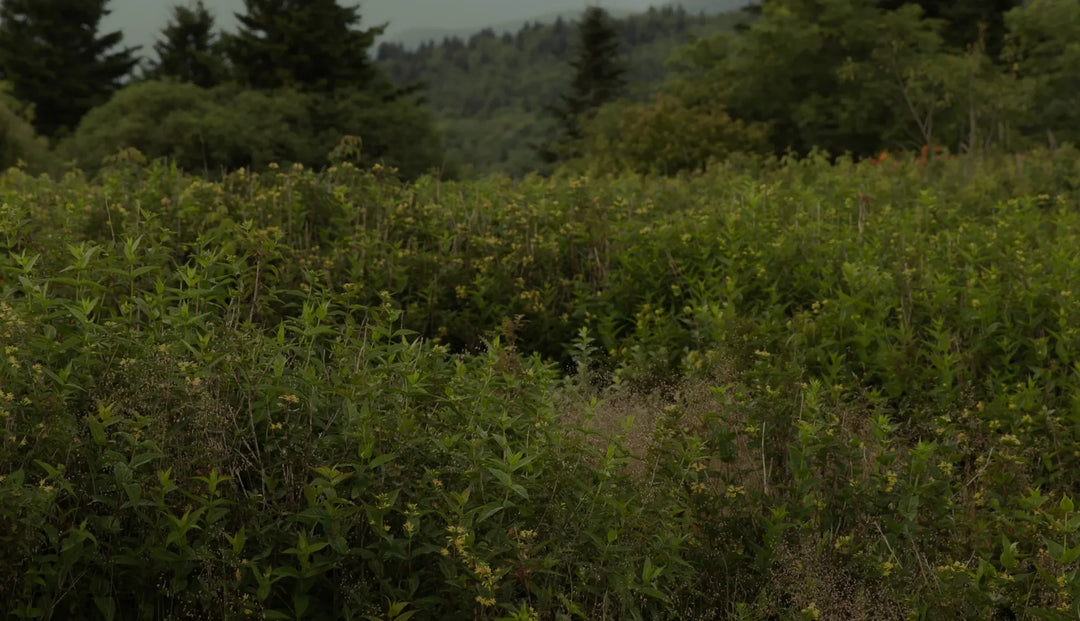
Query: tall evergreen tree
[[189, 50], [598, 79], [311, 45], [54, 58]]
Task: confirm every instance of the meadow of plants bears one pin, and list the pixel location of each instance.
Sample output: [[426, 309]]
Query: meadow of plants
[[793, 389]]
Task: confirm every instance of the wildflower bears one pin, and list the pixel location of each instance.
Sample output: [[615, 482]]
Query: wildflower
[[485, 601], [890, 480], [887, 567]]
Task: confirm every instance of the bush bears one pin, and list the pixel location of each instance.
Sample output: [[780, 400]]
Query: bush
[[226, 128], [18, 140], [666, 137]]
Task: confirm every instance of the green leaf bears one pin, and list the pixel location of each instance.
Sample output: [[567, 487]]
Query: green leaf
[[1057, 551], [106, 606], [381, 460], [97, 431], [237, 541], [300, 603], [502, 476], [1008, 554], [488, 511]]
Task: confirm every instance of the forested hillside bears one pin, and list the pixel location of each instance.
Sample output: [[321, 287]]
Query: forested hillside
[[489, 92]]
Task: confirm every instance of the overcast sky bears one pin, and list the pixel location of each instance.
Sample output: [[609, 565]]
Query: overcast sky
[[142, 20]]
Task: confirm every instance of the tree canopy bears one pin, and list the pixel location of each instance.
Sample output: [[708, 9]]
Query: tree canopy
[[189, 50], [54, 58], [310, 45]]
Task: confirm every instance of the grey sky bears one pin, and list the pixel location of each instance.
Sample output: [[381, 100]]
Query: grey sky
[[142, 20]]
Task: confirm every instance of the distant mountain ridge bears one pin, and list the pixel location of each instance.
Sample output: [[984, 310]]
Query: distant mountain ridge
[[414, 37]]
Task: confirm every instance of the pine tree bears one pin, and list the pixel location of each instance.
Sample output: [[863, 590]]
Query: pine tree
[[189, 50], [310, 45], [598, 79], [54, 58]]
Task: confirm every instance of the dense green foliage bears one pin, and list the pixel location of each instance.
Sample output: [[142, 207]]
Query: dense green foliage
[[227, 127], [18, 140], [188, 50], [846, 76], [967, 21], [845, 390], [666, 136], [1044, 44], [733, 361], [54, 58]]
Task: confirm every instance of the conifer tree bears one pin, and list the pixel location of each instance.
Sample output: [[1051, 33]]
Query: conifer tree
[[54, 58], [598, 79], [310, 45], [189, 50]]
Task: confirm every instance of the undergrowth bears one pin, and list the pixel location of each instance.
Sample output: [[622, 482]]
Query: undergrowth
[[786, 389]]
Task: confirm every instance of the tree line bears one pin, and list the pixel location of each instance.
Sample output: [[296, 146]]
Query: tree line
[[857, 77], [492, 91], [854, 77], [287, 86]]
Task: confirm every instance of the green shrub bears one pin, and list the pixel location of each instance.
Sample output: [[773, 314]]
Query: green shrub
[[227, 127], [665, 137], [19, 143]]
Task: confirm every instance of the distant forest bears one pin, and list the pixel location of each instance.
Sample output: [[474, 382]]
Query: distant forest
[[489, 92]]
